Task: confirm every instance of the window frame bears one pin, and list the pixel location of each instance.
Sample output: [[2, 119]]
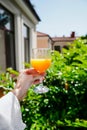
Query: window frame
[[9, 62]]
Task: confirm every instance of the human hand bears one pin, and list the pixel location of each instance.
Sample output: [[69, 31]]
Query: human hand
[[25, 79]]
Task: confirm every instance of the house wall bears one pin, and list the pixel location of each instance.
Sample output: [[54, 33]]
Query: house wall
[[50, 43], [20, 18], [61, 44], [43, 42]]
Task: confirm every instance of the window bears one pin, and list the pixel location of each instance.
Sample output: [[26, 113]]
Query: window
[[66, 47], [7, 27], [6, 19], [57, 48], [26, 32]]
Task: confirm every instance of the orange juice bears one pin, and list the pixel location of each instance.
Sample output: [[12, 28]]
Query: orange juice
[[40, 64]]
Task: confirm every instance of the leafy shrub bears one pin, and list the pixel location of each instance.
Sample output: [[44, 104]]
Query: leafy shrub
[[8, 79], [65, 104]]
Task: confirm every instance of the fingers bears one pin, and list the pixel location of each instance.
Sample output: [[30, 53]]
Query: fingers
[[31, 75], [31, 71], [36, 82]]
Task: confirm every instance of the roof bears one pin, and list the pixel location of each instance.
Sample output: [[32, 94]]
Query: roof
[[31, 7], [42, 34], [71, 38], [62, 39]]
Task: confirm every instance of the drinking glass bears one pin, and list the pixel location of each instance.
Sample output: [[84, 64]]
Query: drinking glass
[[41, 61]]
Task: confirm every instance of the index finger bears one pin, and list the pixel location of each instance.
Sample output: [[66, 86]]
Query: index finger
[[31, 71]]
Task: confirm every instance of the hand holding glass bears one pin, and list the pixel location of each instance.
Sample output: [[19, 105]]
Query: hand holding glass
[[41, 61]]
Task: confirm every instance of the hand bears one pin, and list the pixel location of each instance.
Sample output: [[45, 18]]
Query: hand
[[25, 79]]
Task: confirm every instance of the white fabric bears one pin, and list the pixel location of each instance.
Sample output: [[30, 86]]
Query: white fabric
[[10, 114]]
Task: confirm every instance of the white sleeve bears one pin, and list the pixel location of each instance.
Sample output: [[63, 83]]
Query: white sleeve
[[10, 113]]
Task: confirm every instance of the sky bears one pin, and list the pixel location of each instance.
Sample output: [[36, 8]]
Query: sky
[[61, 17]]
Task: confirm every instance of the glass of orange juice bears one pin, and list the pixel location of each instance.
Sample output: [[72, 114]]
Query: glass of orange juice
[[41, 61]]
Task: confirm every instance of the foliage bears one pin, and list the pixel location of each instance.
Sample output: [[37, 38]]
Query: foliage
[[65, 104], [64, 107], [8, 79]]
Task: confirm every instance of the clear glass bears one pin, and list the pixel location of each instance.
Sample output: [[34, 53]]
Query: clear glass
[[41, 61]]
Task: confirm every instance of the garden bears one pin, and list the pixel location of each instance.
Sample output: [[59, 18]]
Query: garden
[[64, 107]]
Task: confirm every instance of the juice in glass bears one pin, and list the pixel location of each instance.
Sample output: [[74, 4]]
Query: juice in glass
[[41, 64]]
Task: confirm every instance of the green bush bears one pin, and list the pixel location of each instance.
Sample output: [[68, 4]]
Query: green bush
[[64, 107], [8, 79]]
